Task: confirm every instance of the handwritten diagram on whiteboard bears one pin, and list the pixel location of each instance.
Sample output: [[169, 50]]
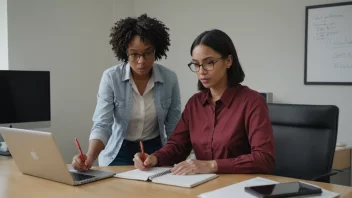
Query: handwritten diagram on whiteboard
[[328, 52]]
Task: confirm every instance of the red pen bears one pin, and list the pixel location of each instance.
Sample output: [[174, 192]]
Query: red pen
[[80, 150], [142, 149]]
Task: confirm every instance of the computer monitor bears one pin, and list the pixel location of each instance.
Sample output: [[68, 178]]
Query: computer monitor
[[25, 99], [268, 96]]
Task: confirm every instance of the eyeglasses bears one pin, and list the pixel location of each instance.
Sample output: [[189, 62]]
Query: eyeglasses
[[146, 55], [195, 67]]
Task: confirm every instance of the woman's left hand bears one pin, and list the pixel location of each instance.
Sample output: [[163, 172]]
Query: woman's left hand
[[191, 167]]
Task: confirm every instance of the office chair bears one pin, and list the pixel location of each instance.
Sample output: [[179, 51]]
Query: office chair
[[305, 140]]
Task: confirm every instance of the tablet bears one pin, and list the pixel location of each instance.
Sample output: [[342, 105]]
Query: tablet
[[283, 190]]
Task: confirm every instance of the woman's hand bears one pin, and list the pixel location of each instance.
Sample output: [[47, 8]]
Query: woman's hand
[[149, 162], [79, 165], [191, 167]]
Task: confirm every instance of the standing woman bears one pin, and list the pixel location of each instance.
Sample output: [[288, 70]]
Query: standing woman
[[138, 100]]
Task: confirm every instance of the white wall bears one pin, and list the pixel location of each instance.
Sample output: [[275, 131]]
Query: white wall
[[4, 63], [71, 40], [269, 37]]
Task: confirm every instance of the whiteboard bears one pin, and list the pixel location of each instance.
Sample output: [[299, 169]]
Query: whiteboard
[[328, 44]]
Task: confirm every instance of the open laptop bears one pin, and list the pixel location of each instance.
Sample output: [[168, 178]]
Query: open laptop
[[36, 153]]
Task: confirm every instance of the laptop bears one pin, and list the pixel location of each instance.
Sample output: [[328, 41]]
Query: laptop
[[36, 153]]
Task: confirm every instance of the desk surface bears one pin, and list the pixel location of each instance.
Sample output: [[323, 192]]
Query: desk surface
[[14, 184]]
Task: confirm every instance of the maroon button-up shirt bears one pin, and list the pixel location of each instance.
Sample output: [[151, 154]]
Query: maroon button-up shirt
[[235, 132]]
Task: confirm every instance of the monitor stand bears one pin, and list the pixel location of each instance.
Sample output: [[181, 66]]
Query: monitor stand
[[5, 153], [3, 148]]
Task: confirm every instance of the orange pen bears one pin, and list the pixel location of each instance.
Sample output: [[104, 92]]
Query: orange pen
[[80, 150], [142, 149]]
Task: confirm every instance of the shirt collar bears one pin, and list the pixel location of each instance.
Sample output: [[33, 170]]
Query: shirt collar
[[226, 97], [155, 74], [126, 71]]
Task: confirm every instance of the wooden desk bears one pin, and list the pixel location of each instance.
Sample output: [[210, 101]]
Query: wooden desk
[[14, 184]]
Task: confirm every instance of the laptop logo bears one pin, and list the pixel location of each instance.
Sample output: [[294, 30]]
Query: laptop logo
[[34, 155]]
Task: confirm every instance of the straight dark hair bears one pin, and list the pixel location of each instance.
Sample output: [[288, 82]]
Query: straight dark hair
[[220, 42]]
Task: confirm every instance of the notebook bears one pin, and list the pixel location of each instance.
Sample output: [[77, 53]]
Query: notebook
[[238, 190], [163, 175]]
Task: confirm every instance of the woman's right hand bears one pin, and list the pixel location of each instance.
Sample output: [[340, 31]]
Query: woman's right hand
[[79, 165], [149, 162]]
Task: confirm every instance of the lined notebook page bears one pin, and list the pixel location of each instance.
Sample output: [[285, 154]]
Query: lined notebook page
[[188, 181], [142, 175]]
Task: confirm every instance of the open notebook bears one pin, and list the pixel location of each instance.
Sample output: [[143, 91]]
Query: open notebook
[[238, 190], [163, 176]]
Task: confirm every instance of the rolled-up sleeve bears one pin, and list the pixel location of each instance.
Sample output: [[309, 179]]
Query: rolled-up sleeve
[[103, 115]]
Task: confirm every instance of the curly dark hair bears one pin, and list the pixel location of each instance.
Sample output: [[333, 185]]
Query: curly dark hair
[[149, 29]]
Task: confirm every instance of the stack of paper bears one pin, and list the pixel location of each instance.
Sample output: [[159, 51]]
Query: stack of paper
[[237, 190]]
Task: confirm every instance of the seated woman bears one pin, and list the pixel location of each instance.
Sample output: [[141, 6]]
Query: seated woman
[[227, 124]]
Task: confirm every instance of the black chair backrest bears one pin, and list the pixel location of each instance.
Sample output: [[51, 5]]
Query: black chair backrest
[[305, 139]]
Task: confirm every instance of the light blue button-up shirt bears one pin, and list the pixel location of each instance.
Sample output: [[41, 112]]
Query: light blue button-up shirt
[[114, 103]]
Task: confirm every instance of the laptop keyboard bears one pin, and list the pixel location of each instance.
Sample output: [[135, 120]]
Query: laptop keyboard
[[80, 177]]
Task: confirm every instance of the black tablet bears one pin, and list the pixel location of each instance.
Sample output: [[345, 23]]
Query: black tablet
[[283, 190]]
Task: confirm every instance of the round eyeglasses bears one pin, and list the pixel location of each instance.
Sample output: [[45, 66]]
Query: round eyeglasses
[[146, 55], [195, 67]]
